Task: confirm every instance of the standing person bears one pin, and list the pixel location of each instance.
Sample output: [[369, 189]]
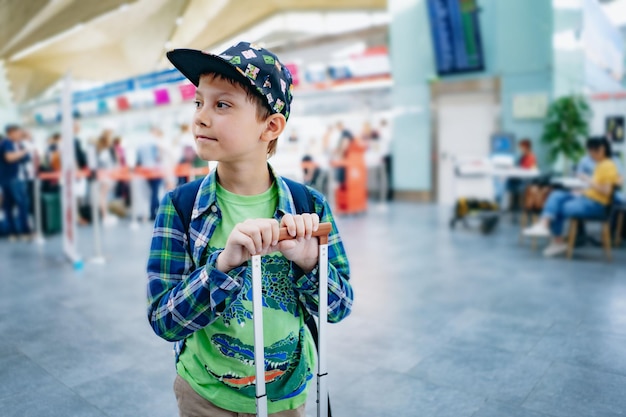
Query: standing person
[[341, 150], [237, 213], [168, 157], [80, 155], [30, 168], [384, 132], [351, 193], [52, 162], [122, 187], [148, 157], [185, 145], [105, 161], [369, 135], [81, 183], [52, 157], [591, 203], [12, 159]]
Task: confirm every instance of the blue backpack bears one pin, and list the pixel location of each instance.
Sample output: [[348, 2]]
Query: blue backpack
[[184, 197]]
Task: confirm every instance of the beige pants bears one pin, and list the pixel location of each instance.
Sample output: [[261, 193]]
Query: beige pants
[[190, 404]]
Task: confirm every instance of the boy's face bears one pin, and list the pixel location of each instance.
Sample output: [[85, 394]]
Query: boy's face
[[225, 126]]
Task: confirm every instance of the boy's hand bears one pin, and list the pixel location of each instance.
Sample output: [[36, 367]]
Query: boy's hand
[[252, 237], [303, 250]]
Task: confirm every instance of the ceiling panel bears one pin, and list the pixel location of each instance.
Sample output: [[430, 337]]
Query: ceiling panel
[[101, 40]]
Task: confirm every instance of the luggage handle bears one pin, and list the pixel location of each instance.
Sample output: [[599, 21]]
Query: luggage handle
[[322, 233], [323, 408]]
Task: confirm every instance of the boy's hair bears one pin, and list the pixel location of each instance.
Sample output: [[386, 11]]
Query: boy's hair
[[263, 110]]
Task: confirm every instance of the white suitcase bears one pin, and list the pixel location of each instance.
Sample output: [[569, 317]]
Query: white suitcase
[[257, 307]]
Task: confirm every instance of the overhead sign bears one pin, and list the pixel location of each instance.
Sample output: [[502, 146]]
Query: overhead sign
[[125, 86], [455, 32]]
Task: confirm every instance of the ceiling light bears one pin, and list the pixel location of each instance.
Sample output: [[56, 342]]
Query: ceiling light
[[179, 21]]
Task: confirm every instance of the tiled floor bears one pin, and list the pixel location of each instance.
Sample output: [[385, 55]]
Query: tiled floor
[[444, 324]]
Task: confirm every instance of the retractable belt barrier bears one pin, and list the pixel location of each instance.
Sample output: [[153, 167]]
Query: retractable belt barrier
[[124, 174]]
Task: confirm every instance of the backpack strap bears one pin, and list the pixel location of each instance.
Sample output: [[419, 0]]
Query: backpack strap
[[302, 197], [183, 199]]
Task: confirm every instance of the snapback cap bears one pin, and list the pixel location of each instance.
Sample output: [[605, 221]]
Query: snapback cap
[[246, 62]]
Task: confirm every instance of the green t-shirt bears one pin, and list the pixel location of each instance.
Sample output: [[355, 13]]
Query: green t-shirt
[[218, 361]]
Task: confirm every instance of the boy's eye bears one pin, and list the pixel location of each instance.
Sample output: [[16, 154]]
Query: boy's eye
[[197, 104], [222, 105]]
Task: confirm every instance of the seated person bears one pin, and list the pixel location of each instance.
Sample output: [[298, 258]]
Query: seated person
[[591, 203], [586, 166], [527, 159], [515, 186]]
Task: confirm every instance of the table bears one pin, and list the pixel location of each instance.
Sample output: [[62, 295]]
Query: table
[[572, 183]]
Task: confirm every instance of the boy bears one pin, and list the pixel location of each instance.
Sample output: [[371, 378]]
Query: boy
[[242, 103]]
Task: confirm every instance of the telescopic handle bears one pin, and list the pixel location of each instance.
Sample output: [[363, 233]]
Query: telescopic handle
[[322, 232]]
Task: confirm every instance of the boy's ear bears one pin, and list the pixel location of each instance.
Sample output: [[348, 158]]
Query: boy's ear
[[274, 126]]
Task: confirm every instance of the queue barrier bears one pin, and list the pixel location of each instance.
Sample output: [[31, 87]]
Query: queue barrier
[[123, 174]]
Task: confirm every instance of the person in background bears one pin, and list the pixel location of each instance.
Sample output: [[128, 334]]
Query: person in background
[[122, 188], [528, 161], [3, 222], [80, 155], [341, 152], [312, 174], [384, 147], [587, 165], [369, 135], [52, 162], [119, 152], [105, 161], [351, 173], [592, 202], [81, 162], [52, 157], [14, 189], [30, 168], [148, 157], [168, 157], [186, 148]]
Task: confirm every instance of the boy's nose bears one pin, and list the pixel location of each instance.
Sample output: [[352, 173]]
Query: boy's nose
[[202, 118]]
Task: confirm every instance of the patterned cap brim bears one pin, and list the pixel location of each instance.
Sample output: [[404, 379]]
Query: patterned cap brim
[[193, 63]]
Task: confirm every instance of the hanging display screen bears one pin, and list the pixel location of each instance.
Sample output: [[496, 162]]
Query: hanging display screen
[[456, 36]]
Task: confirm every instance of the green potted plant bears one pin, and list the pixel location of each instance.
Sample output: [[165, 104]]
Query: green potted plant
[[566, 129]]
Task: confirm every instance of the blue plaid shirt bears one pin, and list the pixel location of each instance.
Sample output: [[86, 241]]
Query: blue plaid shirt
[[183, 300]]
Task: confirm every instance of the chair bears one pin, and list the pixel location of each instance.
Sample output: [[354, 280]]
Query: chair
[[605, 219], [525, 216], [533, 199]]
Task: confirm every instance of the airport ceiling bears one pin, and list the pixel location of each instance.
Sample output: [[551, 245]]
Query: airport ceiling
[[107, 40]]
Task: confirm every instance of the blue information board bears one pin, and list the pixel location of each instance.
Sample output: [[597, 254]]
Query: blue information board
[[456, 36]]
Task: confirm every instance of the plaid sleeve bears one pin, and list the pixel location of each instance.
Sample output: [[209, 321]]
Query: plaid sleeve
[[179, 302], [340, 295]]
